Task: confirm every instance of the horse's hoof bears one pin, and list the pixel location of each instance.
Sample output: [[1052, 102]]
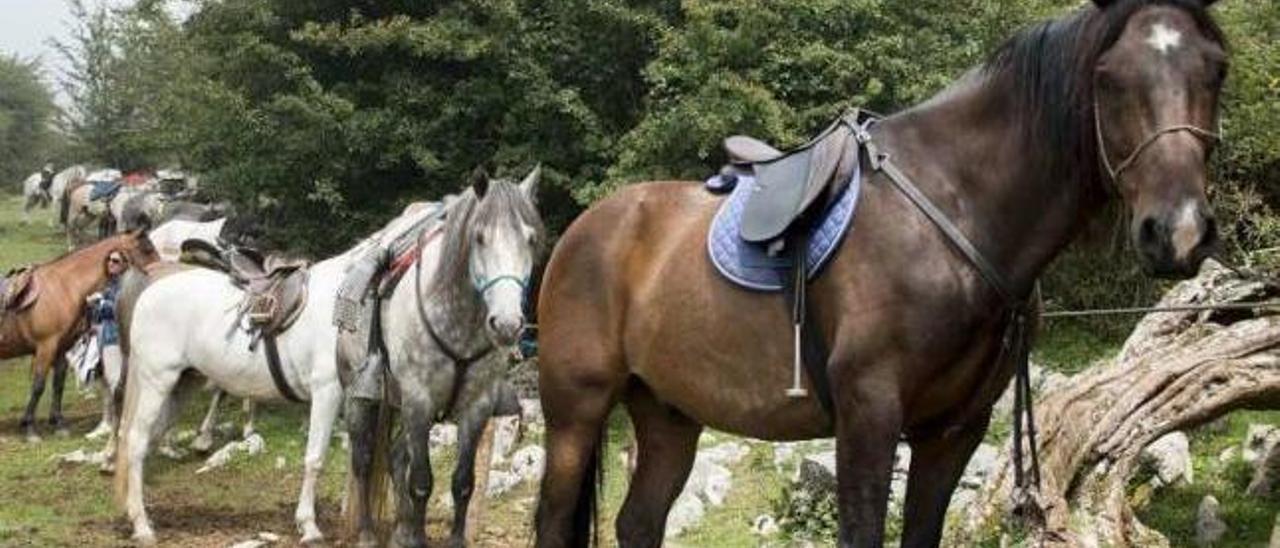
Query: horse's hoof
[[63, 432], [311, 535], [367, 540], [32, 437], [144, 539]]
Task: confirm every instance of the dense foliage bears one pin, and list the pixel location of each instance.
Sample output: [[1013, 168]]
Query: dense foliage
[[26, 116], [340, 111]]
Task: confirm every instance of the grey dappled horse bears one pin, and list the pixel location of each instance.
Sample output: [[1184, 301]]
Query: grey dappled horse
[[443, 327]]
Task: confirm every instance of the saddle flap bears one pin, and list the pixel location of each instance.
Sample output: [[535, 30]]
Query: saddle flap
[[788, 186], [749, 150], [272, 308]]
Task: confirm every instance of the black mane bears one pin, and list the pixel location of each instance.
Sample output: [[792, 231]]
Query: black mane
[[1049, 68]]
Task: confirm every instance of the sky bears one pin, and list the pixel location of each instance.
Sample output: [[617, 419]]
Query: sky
[[26, 26]]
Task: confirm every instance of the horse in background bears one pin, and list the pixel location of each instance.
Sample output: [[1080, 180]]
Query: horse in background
[[65, 178], [50, 326], [965, 200], [171, 335], [443, 328], [36, 191]]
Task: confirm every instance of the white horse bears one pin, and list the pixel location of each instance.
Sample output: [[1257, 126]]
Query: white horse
[[168, 237], [189, 320], [64, 178], [36, 192]]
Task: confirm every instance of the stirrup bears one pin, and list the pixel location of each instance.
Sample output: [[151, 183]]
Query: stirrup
[[262, 309]]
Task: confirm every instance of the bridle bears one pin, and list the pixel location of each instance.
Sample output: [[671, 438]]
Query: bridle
[[1202, 134]]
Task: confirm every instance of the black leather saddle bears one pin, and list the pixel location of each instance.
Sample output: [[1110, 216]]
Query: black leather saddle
[[789, 183]]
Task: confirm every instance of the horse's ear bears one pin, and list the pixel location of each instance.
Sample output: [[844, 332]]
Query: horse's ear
[[1103, 4], [1207, 3], [529, 186], [480, 181]]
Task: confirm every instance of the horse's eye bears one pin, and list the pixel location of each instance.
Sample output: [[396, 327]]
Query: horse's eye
[[479, 239]]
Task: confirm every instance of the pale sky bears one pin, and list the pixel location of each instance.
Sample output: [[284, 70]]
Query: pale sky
[[26, 26]]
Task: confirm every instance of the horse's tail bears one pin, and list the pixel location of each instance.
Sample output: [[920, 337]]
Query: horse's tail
[[379, 470], [585, 530], [122, 452]]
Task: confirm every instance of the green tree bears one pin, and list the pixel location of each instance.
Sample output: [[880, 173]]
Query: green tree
[[26, 117]]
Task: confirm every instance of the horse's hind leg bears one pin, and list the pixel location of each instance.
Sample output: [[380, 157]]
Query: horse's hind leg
[[937, 462], [144, 421], [40, 364], [577, 407], [667, 442], [470, 427], [324, 411], [56, 421]]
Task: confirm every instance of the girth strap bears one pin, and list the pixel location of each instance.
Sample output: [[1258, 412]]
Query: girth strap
[[277, 374]]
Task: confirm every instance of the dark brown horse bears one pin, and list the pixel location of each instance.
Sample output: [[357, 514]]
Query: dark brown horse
[[49, 327], [1013, 154]]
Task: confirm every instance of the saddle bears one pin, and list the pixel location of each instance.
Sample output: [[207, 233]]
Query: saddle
[[19, 289], [789, 183], [275, 288]]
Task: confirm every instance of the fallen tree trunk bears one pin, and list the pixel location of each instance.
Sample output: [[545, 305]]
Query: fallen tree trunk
[[1176, 371]]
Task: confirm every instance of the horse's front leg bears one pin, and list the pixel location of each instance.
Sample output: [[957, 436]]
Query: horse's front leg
[[937, 462], [471, 425], [868, 425], [412, 475], [325, 403], [204, 437]]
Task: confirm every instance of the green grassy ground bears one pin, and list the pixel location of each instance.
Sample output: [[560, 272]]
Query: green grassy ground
[[43, 503]]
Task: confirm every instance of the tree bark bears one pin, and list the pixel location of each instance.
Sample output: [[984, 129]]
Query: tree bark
[[1176, 371]]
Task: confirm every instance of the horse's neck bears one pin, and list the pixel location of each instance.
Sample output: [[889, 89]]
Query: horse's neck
[[966, 148], [455, 310], [71, 274]]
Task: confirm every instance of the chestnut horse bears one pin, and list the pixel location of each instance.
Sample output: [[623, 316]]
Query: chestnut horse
[[1017, 154], [49, 327]]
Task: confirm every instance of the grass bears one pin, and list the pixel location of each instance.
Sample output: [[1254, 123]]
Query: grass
[[1249, 520]]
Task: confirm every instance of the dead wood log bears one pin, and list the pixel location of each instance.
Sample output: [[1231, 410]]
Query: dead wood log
[[1176, 371]]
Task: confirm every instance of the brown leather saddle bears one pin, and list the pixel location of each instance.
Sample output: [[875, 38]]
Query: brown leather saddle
[[789, 183], [19, 289], [275, 288]]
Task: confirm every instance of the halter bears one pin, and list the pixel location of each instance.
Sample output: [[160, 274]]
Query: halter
[[1203, 135], [483, 286]]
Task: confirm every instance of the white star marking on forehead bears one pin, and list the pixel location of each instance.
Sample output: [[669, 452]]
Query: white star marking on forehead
[[1163, 39]]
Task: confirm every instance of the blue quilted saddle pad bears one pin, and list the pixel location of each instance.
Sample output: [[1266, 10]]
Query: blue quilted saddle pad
[[749, 265]]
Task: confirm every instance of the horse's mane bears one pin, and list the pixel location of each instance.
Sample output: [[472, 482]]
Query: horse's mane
[[502, 199], [1049, 70]]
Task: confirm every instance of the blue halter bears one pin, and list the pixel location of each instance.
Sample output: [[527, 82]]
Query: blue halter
[[483, 286]]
